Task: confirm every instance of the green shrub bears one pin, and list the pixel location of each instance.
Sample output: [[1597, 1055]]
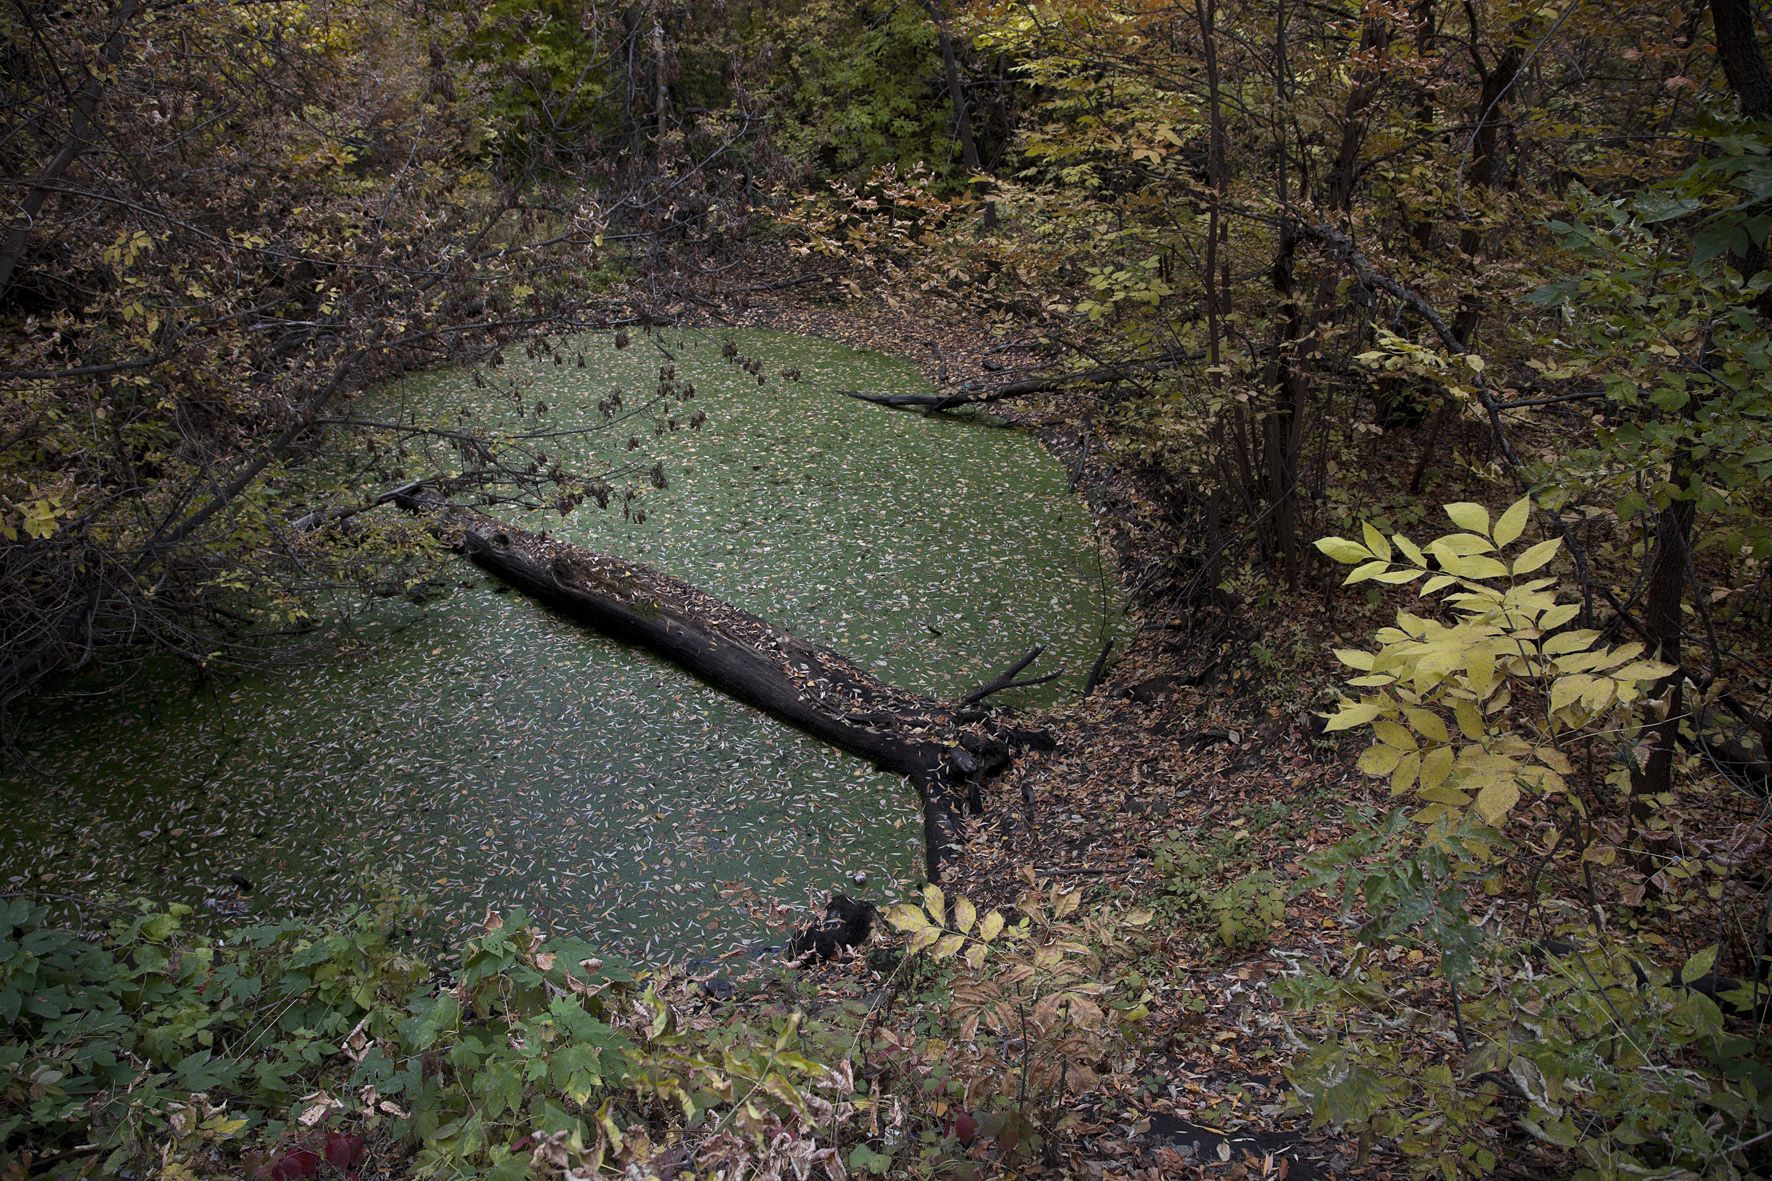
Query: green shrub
[[148, 1045], [1207, 881], [1610, 1066], [277, 1046]]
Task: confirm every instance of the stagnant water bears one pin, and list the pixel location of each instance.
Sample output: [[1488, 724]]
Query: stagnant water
[[484, 752]]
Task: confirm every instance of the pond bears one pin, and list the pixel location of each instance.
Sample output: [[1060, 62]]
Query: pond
[[481, 752]]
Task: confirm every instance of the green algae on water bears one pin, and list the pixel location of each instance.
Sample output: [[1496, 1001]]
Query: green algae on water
[[485, 753]]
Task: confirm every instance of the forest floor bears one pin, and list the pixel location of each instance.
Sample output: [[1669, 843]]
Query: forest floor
[[1200, 737]]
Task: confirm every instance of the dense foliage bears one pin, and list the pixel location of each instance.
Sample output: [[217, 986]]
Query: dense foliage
[[282, 1045]]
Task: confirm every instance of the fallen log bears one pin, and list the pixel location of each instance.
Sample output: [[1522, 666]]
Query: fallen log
[[947, 751], [971, 394]]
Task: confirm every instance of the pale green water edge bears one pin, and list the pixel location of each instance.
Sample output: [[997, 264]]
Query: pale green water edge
[[484, 752]]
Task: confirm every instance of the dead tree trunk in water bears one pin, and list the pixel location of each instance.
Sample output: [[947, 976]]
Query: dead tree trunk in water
[[947, 751]]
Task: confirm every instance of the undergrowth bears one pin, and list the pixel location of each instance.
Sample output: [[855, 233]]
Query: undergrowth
[[292, 1050]]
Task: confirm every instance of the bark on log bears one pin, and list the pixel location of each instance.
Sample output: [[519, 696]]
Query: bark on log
[[971, 395], [947, 751]]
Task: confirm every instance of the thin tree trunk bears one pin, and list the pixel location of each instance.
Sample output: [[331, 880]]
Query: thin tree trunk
[[1485, 169], [950, 64], [1206, 13], [1662, 619], [659, 88], [1485, 172], [1738, 49], [1279, 427], [1744, 66], [1282, 426], [1426, 39]]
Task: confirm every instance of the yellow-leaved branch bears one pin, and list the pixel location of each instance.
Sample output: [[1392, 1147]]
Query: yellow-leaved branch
[[1471, 704]]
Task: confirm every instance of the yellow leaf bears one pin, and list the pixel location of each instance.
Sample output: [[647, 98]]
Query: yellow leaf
[[1436, 765], [1481, 672], [39, 519], [1459, 544], [1427, 724], [1470, 719], [1393, 734], [1408, 549], [1512, 523], [1571, 641], [1353, 714], [1553, 758], [946, 946], [1599, 695], [991, 927], [1403, 777], [1381, 549], [1467, 515], [1362, 573], [964, 914], [935, 903], [1536, 556], [1568, 690], [1065, 903], [1380, 760], [1473, 566], [905, 917], [1643, 670], [1496, 800], [1581, 662], [1443, 794], [1559, 615], [1340, 549], [1354, 658]]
